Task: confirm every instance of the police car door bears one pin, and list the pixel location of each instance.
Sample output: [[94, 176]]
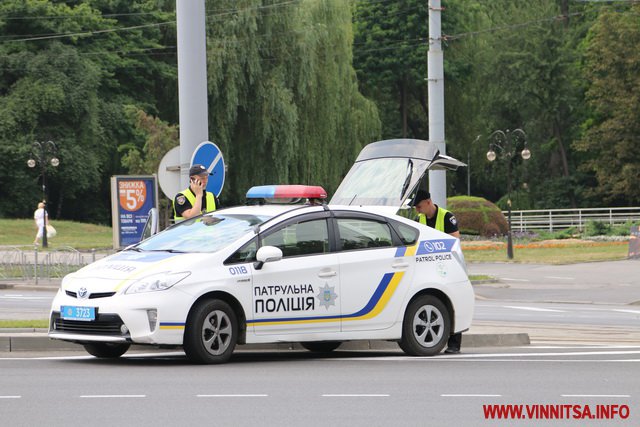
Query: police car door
[[374, 278], [299, 293]]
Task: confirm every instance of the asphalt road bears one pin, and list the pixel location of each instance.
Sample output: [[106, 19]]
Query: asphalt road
[[25, 304], [613, 282], [345, 389], [558, 313], [365, 388]]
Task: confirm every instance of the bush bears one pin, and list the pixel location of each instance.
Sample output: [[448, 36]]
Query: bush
[[477, 216], [597, 228], [622, 230]]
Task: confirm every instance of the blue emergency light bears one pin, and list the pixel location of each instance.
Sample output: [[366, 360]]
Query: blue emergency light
[[286, 193]]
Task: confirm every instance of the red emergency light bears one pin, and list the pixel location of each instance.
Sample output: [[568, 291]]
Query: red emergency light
[[291, 192]]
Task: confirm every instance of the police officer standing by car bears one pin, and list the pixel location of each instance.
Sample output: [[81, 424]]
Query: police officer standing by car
[[441, 219], [195, 200]]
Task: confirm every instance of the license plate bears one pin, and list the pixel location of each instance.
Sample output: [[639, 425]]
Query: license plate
[[71, 312]]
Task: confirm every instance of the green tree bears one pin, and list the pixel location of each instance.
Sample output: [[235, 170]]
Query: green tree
[[68, 70], [284, 104], [611, 140], [525, 75], [159, 137]]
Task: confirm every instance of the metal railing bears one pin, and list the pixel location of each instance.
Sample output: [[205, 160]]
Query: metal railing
[[31, 263], [559, 219]]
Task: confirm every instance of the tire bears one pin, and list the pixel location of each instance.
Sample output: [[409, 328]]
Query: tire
[[106, 350], [321, 346], [211, 333], [426, 327]]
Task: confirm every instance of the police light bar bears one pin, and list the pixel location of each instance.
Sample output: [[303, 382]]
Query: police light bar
[[286, 192]]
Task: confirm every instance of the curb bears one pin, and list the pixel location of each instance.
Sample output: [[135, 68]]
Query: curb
[[48, 286], [26, 340]]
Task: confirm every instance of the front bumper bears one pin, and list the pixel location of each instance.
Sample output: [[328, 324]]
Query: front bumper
[[150, 318]]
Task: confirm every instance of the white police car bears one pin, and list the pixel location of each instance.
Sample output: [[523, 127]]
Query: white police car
[[315, 274]]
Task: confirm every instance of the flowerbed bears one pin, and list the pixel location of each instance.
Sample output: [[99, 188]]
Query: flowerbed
[[491, 245]]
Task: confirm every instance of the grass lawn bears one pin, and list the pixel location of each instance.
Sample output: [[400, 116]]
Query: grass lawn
[[21, 232], [549, 252], [14, 324]]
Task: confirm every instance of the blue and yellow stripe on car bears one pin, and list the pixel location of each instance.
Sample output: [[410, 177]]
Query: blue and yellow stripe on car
[[378, 301], [171, 325], [406, 251]]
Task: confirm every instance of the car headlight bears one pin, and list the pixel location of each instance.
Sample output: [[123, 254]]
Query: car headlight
[[459, 256], [156, 282]]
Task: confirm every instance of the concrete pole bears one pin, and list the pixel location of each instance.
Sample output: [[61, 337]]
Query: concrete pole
[[435, 77], [192, 81]]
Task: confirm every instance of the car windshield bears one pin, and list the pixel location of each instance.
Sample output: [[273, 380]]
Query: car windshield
[[379, 182], [208, 233]]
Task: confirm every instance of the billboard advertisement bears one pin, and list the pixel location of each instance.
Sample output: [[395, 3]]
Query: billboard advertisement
[[132, 197]]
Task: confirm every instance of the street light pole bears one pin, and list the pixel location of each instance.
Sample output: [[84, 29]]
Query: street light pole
[[507, 143], [44, 153]]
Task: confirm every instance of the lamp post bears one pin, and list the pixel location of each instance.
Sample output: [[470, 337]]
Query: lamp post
[[44, 153], [506, 143]]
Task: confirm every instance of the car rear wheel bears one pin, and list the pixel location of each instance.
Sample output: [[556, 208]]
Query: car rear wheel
[[211, 332], [106, 350], [426, 326], [321, 347]]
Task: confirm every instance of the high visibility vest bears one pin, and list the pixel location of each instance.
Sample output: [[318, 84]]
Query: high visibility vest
[[439, 219], [211, 203]]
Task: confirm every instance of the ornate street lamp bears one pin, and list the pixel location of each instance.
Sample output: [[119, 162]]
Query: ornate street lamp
[[44, 153], [506, 143]]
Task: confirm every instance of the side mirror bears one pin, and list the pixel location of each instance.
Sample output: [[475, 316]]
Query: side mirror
[[267, 254]]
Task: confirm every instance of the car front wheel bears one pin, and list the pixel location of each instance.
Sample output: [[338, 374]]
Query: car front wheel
[[426, 326], [211, 332]]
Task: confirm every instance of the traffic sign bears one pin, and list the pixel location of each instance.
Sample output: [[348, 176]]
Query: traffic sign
[[209, 155], [169, 173]]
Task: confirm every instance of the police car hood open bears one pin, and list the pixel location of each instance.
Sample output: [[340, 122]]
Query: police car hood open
[[386, 173]]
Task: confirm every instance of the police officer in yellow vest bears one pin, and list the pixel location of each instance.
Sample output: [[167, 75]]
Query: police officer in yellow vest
[[435, 217], [195, 200], [441, 219]]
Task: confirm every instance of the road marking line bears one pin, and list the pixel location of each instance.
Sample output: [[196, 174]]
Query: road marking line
[[627, 311], [573, 353], [514, 280], [516, 356], [110, 396], [595, 395], [232, 395], [471, 395], [355, 395], [560, 277], [10, 397], [534, 308]]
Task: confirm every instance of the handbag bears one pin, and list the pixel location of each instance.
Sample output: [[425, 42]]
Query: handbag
[[51, 232]]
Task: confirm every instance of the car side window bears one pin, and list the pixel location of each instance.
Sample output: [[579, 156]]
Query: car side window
[[247, 253], [363, 233], [302, 238], [408, 235]]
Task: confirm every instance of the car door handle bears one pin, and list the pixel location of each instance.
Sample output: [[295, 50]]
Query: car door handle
[[325, 274], [400, 264]]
